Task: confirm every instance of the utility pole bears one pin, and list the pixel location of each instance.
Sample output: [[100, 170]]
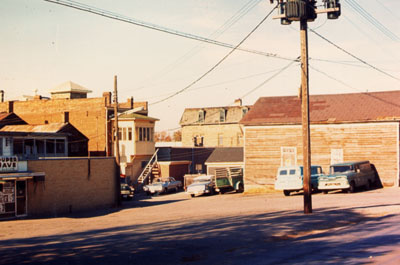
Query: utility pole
[[305, 118], [116, 129], [305, 11]]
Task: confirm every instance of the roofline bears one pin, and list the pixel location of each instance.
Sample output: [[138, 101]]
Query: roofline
[[316, 123], [221, 107]]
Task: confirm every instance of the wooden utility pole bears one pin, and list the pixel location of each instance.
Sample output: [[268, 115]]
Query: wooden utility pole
[[116, 129], [305, 118]]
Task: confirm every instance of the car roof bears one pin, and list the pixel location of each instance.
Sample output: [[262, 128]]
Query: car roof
[[350, 163], [295, 167]]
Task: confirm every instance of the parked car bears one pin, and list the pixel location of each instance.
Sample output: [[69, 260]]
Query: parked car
[[163, 185], [201, 185], [229, 179], [348, 176], [126, 191], [290, 179]]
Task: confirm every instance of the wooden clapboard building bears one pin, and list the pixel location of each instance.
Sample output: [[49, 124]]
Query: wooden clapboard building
[[344, 127]]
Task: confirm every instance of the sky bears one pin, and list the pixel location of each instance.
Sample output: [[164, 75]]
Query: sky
[[45, 44]]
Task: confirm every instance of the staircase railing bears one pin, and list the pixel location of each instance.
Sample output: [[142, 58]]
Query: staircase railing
[[147, 169]]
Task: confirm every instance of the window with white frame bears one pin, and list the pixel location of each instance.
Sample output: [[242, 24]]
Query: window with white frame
[[288, 156]]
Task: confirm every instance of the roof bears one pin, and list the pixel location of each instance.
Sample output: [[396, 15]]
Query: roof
[[226, 154], [234, 114], [4, 115], [136, 116], [69, 87], [335, 108], [45, 128]]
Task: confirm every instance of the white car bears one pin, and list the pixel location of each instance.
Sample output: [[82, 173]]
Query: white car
[[163, 185], [201, 185]]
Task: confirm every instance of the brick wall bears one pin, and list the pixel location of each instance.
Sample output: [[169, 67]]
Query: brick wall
[[70, 187], [211, 133], [88, 115]]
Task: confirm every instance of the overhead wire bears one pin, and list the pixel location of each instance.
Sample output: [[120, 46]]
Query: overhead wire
[[220, 61], [269, 79], [222, 29], [355, 57], [373, 21], [118, 17]]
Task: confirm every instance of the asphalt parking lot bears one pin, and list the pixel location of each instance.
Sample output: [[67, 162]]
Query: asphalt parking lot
[[228, 229]]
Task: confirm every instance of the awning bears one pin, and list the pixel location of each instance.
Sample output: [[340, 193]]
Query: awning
[[21, 175]]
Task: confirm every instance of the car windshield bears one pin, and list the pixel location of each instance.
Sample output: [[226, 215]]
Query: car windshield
[[339, 169]]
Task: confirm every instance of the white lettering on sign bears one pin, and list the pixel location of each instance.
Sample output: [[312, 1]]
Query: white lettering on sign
[[8, 163]]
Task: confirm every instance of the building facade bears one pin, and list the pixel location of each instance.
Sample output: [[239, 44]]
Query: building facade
[[69, 104], [214, 126], [344, 127]]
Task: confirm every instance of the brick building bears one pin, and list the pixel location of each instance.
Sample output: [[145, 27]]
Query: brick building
[[214, 126], [69, 104]]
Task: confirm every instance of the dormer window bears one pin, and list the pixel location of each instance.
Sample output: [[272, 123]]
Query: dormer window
[[202, 116], [244, 111], [222, 115]]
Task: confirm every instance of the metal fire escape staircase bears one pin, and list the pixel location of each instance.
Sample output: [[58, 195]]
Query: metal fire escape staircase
[[148, 170]]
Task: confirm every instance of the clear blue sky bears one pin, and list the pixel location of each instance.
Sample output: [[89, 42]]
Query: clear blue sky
[[45, 44]]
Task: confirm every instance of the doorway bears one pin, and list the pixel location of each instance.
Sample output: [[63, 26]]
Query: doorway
[[21, 202]]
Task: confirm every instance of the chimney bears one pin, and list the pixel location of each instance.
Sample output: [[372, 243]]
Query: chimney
[[66, 117], [107, 98], [130, 102], [10, 107], [1, 95], [238, 102]]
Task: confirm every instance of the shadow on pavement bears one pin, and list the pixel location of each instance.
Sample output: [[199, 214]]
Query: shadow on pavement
[[270, 238]]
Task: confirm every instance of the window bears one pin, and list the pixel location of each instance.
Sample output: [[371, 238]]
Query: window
[[124, 134], [336, 156], [40, 147], [129, 134], [60, 146], [1, 146], [220, 139], [199, 168], [120, 133], [29, 147], [292, 172], [148, 134], [140, 134], [244, 111], [151, 134], [18, 146], [202, 116], [50, 146], [198, 140], [222, 115], [239, 138], [288, 156]]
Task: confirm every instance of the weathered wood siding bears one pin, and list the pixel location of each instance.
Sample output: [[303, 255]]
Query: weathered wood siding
[[376, 142]]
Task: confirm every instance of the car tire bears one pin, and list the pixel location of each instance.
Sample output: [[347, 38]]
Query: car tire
[[192, 195], [325, 192], [368, 185], [286, 193], [352, 188], [240, 188]]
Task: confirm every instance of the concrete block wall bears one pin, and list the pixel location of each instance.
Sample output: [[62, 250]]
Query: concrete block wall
[[70, 186]]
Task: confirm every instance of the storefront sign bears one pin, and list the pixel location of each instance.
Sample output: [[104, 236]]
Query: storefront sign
[[8, 163]]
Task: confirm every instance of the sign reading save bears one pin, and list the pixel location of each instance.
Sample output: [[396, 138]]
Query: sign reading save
[[8, 163]]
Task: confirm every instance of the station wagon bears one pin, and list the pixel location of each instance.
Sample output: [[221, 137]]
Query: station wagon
[[290, 179]]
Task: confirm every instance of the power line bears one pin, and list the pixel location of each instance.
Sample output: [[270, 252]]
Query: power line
[[269, 79], [115, 16], [222, 29], [355, 57], [220, 61], [361, 11]]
